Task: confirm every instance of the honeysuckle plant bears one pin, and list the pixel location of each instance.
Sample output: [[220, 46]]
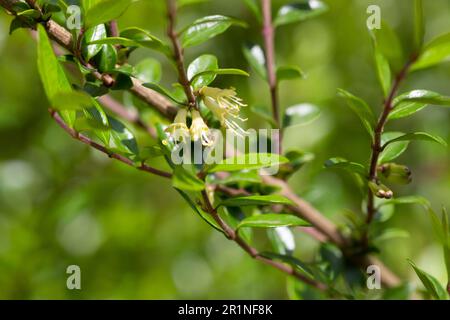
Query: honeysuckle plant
[[235, 196]]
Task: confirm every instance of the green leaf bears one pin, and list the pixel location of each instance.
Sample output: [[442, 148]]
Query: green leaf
[[392, 233], [107, 58], [92, 35], [206, 62], [405, 109], [299, 11], [248, 161], [105, 11], [294, 262], [362, 110], [256, 201], [115, 41], [254, 8], [352, 167], [300, 114], [407, 200], [388, 44], [422, 96], [185, 180], [52, 74], [434, 53], [206, 28], [282, 240], [256, 58], [123, 138], [271, 220], [419, 25], [216, 72], [148, 70], [289, 73], [432, 285], [264, 113], [143, 38], [383, 71], [73, 100], [419, 136], [402, 292], [185, 3], [393, 150], [204, 215], [160, 89]]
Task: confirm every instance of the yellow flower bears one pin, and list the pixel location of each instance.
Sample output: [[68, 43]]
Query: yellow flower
[[178, 130], [225, 105], [199, 129]]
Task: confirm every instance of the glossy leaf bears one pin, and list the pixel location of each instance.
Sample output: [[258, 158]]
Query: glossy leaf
[[388, 44], [185, 180], [248, 161], [300, 114], [256, 58], [206, 28], [105, 11], [419, 136], [206, 62], [407, 200], [405, 109], [145, 39], [148, 70], [271, 220], [289, 73], [434, 53], [394, 150], [93, 34], [352, 167], [204, 215], [422, 96], [255, 201], [107, 58], [254, 8], [52, 74], [294, 262], [383, 71], [432, 285], [299, 11], [74, 100], [362, 110], [160, 89]]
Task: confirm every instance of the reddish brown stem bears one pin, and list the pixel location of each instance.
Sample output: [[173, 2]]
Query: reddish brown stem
[[234, 236], [377, 147], [178, 53], [88, 141]]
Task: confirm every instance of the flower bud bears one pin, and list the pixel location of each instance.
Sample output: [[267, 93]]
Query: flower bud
[[395, 173], [380, 190]]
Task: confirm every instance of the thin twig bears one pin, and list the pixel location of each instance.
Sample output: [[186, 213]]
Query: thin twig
[[88, 141], [178, 53], [268, 32], [253, 252], [377, 147]]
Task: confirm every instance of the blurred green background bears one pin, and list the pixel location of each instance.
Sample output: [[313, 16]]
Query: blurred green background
[[133, 236]]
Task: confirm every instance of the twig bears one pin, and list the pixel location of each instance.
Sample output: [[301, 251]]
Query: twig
[[86, 140], [234, 236], [268, 32], [178, 53], [377, 147]]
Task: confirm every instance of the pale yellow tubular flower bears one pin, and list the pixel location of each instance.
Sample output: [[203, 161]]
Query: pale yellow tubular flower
[[199, 129], [178, 130], [225, 105]]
